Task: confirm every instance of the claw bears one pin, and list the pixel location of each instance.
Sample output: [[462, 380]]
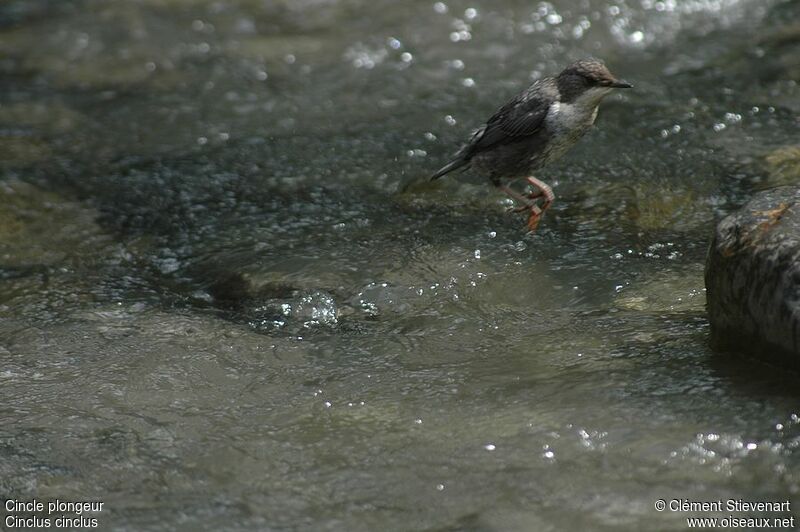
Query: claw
[[529, 201], [534, 218]]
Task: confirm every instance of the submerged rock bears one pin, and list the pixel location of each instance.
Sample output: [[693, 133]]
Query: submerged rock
[[678, 291], [753, 277]]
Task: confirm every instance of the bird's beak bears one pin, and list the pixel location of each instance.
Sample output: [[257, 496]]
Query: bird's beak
[[620, 84]]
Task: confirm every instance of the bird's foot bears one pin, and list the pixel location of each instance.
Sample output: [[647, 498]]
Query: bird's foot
[[535, 217], [530, 202], [541, 190]]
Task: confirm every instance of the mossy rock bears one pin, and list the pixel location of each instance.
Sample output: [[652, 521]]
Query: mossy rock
[[45, 117], [679, 291], [275, 48], [646, 206], [784, 165], [20, 151], [38, 227]]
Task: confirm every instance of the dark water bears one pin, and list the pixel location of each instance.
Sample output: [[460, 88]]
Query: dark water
[[230, 300]]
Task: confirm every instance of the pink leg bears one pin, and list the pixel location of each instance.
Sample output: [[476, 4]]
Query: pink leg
[[527, 204], [542, 190]]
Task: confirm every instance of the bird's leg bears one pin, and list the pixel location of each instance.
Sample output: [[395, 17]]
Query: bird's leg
[[542, 190], [528, 204]]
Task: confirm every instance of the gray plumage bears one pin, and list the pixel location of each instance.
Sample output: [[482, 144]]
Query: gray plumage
[[538, 125]]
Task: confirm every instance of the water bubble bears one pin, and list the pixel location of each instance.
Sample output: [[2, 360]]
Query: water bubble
[[719, 127], [439, 487], [440, 7], [429, 136], [490, 447], [393, 43], [450, 120], [289, 59], [733, 118], [637, 37], [406, 57], [553, 19], [470, 13], [202, 141], [468, 82], [462, 35], [458, 64]]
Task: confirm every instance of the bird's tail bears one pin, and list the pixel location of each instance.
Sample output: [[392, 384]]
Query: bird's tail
[[449, 167]]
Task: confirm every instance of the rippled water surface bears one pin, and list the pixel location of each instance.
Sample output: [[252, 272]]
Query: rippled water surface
[[230, 299]]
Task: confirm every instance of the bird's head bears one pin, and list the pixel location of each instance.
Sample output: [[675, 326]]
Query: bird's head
[[588, 81]]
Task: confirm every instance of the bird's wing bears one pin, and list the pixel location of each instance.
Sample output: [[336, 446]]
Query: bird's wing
[[522, 117]]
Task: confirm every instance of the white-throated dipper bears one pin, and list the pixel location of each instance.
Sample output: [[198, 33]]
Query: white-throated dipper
[[535, 128]]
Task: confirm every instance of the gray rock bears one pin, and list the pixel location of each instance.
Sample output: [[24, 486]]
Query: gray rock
[[753, 278]]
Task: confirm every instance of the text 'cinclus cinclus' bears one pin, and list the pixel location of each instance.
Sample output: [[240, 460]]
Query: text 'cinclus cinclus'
[[536, 127]]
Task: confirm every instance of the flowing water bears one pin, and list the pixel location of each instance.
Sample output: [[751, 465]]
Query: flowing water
[[230, 299]]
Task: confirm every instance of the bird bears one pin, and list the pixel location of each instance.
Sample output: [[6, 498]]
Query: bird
[[533, 129]]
